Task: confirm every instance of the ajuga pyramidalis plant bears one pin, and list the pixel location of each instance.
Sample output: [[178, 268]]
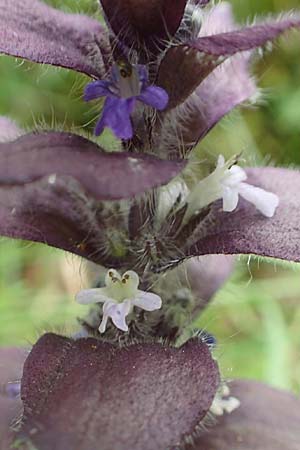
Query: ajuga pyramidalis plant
[[163, 239]]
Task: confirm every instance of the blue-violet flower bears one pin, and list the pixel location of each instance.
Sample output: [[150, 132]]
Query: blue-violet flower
[[128, 85]]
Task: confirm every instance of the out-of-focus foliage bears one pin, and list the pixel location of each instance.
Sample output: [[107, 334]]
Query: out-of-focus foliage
[[256, 316]]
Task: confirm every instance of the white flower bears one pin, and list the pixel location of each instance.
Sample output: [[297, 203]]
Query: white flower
[[119, 296], [223, 403], [227, 182]]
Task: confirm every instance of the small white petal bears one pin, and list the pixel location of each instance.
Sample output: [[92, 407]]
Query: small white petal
[[118, 313], [216, 409], [211, 188], [221, 405], [232, 403], [225, 391], [266, 202], [103, 324], [107, 305], [89, 296], [234, 176], [221, 162], [230, 199], [147, 301], [176, 191], [109, 309]]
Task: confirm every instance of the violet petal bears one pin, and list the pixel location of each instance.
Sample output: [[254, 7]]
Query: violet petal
[[246, 231], [143, 74], [96, 89], [11, 367], [116, 116], [145, 396], [184, 67], [146, 22], [154, 96], [267, 419], [33, 30], [34, 156]]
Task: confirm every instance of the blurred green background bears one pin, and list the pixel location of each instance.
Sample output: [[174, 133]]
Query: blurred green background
[[256, 316]]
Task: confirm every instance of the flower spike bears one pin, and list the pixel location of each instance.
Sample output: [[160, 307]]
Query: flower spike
[[119, 296]]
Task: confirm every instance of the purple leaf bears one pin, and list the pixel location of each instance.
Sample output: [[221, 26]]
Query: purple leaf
[[268, 419], [56, 214], [184, 67], [9, 131], [147, 22], [247, 231], [33, 30], [227, 86], [79, 393], [48, 186], [35, 156], [11, 367], [205, 275]]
